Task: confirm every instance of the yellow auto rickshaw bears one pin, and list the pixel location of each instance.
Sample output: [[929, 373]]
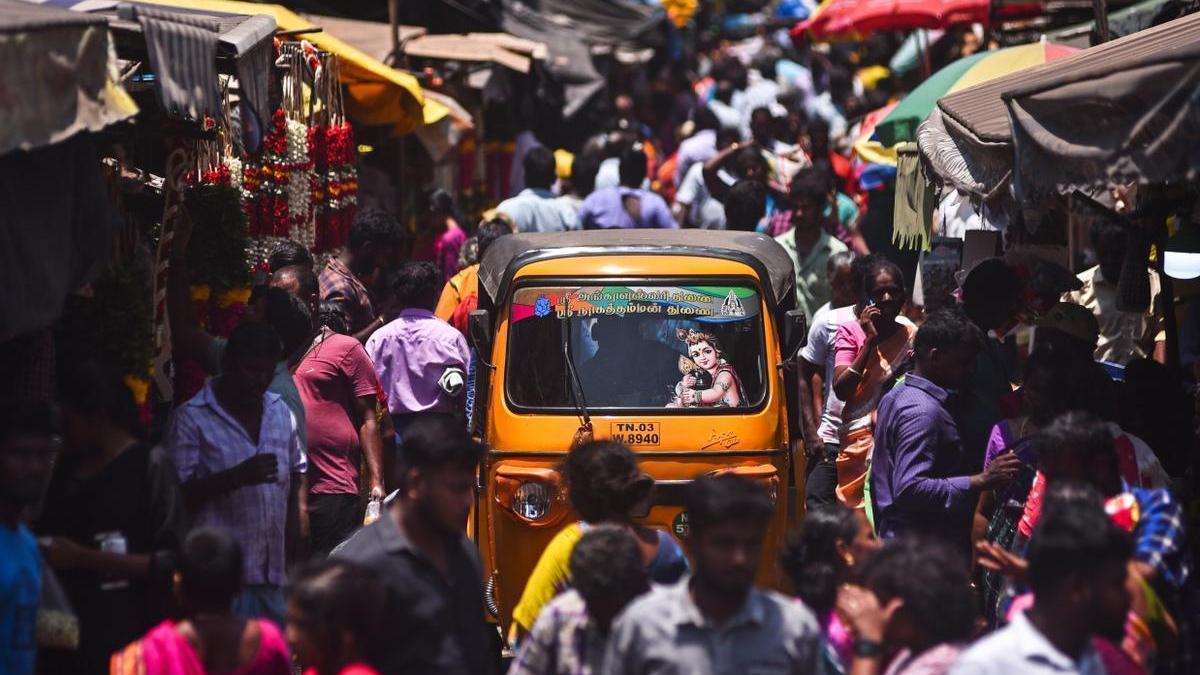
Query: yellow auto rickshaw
[[599, 329]]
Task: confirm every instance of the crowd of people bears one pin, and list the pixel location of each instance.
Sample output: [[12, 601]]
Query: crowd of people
[[956, 523]]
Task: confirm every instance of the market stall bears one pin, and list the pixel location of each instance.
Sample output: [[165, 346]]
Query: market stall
[[1122, 22], [486, 73], [900, 124], [57, 223], [376, 94]]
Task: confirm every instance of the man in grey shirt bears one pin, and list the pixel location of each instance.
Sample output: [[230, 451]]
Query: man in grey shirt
[[716, 622]]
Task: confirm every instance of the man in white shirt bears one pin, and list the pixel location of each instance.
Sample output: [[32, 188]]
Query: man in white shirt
[[818, 376], [1124, 335], [1077, 570], [762, 92]]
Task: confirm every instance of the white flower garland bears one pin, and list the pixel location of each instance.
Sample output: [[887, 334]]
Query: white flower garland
[[299, 184]]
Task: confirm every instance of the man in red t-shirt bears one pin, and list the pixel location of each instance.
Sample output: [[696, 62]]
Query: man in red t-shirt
[[339, 388]]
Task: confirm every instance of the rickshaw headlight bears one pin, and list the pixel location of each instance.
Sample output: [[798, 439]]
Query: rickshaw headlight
[[532, 501], [531, 495]]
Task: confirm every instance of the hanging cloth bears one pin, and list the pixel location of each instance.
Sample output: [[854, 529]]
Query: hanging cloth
[[912, 225]]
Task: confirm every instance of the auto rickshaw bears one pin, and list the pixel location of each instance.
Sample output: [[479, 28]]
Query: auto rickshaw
[[592, 331]]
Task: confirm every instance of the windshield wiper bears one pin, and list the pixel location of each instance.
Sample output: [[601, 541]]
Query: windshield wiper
[[577, 396]]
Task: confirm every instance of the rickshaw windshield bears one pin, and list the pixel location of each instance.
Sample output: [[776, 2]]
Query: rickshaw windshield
[[657, 347]]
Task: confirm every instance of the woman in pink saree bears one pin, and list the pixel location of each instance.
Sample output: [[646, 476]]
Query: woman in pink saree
[[867, 353], [211, 639]]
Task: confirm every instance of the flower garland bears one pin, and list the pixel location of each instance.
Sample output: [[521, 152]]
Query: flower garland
[[299, 185], [335, 193], [217, 251], [265, 182], [304, 184]]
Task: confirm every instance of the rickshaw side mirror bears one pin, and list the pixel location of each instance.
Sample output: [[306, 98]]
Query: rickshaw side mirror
[[795, 332], [479, 327]]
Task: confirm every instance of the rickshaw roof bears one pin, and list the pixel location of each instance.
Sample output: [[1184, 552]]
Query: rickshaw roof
[[510, 253]]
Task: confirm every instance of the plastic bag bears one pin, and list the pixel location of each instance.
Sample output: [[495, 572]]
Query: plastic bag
[[57, 624]]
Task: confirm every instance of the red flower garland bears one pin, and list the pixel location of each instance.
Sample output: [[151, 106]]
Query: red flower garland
[[335, 194], [264, 183]]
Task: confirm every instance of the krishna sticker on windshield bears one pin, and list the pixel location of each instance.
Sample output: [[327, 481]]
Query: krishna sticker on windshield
[[646, 346]]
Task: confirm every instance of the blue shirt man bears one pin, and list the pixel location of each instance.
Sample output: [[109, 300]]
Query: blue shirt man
[[20, 594], [26, 445], [536, 208], [625, 208], [917, 478]]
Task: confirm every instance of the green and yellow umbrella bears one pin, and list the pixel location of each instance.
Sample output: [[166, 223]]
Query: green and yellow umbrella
[[901, 123]]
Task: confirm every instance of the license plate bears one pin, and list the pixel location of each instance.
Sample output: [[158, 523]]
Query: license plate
[[636, 433]]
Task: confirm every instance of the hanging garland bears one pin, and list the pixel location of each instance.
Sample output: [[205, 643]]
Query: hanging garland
[[335, 156], [299, 185], [264, 182], [114, 324], [217, 251], [304, 184]]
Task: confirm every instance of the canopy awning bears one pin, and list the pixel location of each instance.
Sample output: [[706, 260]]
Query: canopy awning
[[1119, 111], [378, 95], [573, 30], [372, 37], [440, 137], [60, 77], [498, 48]]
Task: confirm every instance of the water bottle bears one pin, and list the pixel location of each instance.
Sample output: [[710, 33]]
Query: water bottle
[[372, 511]]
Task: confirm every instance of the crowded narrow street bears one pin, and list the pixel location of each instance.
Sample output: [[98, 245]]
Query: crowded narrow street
[[599, 337]]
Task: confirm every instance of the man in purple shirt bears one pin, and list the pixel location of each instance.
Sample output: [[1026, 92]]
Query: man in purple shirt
[[627, 206], [420, 359], [917, 480]]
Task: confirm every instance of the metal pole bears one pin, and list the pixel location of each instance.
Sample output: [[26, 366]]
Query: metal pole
[[1100, 10], [923, 50], [394, 25]]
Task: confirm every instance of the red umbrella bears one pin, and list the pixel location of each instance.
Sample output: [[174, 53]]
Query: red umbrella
[[846, 17]]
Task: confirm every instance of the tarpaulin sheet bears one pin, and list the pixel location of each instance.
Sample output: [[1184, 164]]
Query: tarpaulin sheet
[[55, 226], [59, 79]]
